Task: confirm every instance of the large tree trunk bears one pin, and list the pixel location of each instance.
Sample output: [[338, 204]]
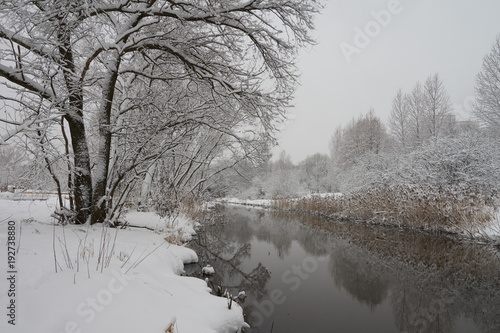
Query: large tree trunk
[[82, 178], [100, 200], [74, 115]]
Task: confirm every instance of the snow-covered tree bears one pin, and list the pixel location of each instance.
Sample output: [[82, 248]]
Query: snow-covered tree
[[11, 165], [438, 107], [468, 162], [78, 60], [364, 135], [399, 119], [424, 113], [315, 173], [487, 106], [416, 104], [283, 180]]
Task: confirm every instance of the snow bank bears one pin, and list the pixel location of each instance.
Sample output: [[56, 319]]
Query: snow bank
[[247, 202], [139, 291], [268, 202], [178, 225]]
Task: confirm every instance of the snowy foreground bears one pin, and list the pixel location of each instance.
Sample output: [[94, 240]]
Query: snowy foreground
[[141, 290]]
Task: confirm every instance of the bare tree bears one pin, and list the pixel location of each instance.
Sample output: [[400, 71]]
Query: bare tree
[[11, 165], [283, 180], [487, 106], [76, 59], [315, 171], [399, 119], [438, 107], [364, 135], [416, 103]]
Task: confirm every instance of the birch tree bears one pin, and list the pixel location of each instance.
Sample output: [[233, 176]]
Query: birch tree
[[74, 59]]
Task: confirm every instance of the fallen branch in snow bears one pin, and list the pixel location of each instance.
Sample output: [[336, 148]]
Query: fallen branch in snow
[[139, 226]]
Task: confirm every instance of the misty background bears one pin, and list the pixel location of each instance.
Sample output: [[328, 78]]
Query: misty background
[[446, 37]]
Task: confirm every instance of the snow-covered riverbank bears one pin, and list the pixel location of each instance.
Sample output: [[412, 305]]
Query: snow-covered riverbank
[[107, 280], [486, 231]]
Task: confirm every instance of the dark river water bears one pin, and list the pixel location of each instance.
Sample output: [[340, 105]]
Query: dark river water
[[303, 274]]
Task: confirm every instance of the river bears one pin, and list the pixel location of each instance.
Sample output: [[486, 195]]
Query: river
[[305, 274]]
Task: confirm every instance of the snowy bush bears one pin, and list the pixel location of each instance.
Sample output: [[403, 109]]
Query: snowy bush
[[467, 162]]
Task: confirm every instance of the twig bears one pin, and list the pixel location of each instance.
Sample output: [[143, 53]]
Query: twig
[[66, 248], [133, 265], [54, 245], [156, 248], [130, 256], [112, 249]]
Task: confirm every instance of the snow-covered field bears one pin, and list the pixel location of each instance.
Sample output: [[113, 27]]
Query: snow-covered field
[[132, 285]]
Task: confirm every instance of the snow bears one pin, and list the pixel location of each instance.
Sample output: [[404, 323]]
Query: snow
[[492, 230], [246, 202], [179, 224], [269, 202], [140, 291], [208, 270]]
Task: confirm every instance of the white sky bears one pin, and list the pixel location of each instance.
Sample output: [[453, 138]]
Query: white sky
[[425, 37]]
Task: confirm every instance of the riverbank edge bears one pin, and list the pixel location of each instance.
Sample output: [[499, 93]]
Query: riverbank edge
[[141, 271], [487, 236]]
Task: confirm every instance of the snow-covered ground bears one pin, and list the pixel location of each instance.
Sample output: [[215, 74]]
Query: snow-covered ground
[[268, 202], [246, 202], [138, 289]]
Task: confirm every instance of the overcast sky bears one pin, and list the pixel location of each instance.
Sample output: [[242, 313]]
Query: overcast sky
[[346, 73]]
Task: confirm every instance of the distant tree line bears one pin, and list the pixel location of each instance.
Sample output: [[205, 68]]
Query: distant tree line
[[423, 144]]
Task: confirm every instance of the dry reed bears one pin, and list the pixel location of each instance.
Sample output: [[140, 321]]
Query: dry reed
[[426, 208]]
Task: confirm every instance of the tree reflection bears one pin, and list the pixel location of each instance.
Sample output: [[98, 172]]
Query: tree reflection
[[353, 272], [225, 247], [431, 282]]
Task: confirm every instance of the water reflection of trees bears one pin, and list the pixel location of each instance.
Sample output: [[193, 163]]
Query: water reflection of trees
[[265, 228], [431, 281], [225, 246], [354, 272]]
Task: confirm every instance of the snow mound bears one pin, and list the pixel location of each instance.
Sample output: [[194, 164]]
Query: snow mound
[[208, 270]]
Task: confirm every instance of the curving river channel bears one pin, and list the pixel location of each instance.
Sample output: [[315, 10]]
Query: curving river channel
[[303, 274]]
